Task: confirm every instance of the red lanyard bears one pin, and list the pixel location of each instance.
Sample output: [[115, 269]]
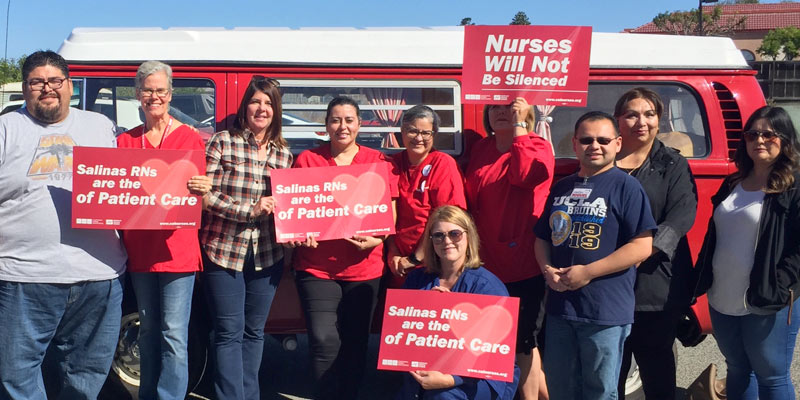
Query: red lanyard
[[163, 135]]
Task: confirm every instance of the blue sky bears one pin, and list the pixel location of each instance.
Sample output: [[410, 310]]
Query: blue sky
[[44, 24]]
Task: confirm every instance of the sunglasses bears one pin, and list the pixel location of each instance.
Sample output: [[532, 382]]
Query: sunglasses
[[769, 136], [261, 78], [455, 236], [589, 140]]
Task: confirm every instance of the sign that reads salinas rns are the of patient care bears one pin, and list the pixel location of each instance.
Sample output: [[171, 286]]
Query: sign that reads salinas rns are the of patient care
[[333, 202], [546, 65], [462, 334], [135, 188]]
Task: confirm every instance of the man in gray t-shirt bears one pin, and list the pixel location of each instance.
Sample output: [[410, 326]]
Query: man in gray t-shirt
[[60, 288]]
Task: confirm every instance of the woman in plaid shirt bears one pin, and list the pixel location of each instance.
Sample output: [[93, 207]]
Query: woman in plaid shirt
[[241, 261]]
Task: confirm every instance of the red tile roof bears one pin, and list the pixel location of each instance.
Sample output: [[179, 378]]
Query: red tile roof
[[760, 17]]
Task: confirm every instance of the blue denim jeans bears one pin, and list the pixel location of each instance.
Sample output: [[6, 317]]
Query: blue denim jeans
[[758, 352], [239, 303], [165, 304], [57, 340], [582, 360]]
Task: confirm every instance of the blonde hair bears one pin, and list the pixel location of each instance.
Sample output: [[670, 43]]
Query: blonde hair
[[454, 215]]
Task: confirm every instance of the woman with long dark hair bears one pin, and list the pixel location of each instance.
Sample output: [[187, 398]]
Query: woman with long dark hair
[[338, 280], [242, 262], [750, 260]]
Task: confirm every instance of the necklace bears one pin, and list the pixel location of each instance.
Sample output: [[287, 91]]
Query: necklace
[[163, 134], [630, 171]]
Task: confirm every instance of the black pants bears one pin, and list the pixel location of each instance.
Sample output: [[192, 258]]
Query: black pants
[[338, 317], [650, 342]]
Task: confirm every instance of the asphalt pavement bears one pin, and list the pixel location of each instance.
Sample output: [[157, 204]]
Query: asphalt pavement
[[286, 374], [693, 360]]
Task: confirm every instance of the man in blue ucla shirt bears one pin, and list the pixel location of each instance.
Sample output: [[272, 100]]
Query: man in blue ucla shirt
[[597, 226]]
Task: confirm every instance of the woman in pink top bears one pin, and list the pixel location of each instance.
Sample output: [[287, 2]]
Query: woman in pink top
[[162, 263], [338, 280], [427, 179]]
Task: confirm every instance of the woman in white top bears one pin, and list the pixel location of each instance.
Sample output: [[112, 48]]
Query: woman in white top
[[750, 260]]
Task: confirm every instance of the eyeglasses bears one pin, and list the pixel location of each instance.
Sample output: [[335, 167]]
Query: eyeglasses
[[768, 136], [261, 78], [589, 140], [162, 92], [455, 236], [414, 132], [54, 83]]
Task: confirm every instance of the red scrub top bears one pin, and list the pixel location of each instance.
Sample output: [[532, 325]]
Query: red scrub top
[[162, 250], [435, 182], [340, 259], [506, 193]]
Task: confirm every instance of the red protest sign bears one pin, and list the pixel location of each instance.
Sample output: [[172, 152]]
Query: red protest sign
[[135, 188], [332, 202], [547, 65], [455, 333]]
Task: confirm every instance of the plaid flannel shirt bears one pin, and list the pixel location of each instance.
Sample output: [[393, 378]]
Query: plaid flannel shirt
[[238, 181]]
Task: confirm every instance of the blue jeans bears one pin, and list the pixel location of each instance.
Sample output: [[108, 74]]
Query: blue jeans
[[239, 303], [165, 304], [758, 352], [582, 360], [57, 340]]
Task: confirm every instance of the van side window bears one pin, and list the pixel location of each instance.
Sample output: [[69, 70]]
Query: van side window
[[682, 126], [192, 102], [382, 104]]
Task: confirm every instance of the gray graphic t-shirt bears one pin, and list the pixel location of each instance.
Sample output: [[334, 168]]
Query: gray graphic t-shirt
[[37, 242]]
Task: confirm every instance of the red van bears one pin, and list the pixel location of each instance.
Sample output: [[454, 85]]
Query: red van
[[707, 87]]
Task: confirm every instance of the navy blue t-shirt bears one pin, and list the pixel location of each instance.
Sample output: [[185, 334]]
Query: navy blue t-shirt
[[586, 219]]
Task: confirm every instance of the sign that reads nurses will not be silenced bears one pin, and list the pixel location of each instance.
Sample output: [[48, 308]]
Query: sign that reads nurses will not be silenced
[[462, 334], [333, 202], [135, 188], [546, 65]]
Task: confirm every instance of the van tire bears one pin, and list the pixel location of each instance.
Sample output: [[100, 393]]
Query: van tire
[[122, 382]]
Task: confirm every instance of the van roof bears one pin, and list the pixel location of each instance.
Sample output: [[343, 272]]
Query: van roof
[[379, 46]]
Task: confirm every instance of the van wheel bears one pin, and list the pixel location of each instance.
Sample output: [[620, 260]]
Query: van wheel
[[123, 379]]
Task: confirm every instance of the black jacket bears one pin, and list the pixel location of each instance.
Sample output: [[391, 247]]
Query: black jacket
[[775, 278], [663, 280]]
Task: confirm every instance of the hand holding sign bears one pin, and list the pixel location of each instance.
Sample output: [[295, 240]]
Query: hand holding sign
[[521, 109], [199, 185], [264, 206], [432, 380]]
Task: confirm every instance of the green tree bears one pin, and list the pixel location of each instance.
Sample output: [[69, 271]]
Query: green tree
[[466, 21], [779, 41], [686, 22], [520, 19], [11, 70]]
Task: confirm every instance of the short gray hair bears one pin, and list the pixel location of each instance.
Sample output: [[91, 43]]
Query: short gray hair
[[422, 111], [149, 68]]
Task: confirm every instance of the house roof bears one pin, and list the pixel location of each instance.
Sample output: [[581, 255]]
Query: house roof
[[760, 17]]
